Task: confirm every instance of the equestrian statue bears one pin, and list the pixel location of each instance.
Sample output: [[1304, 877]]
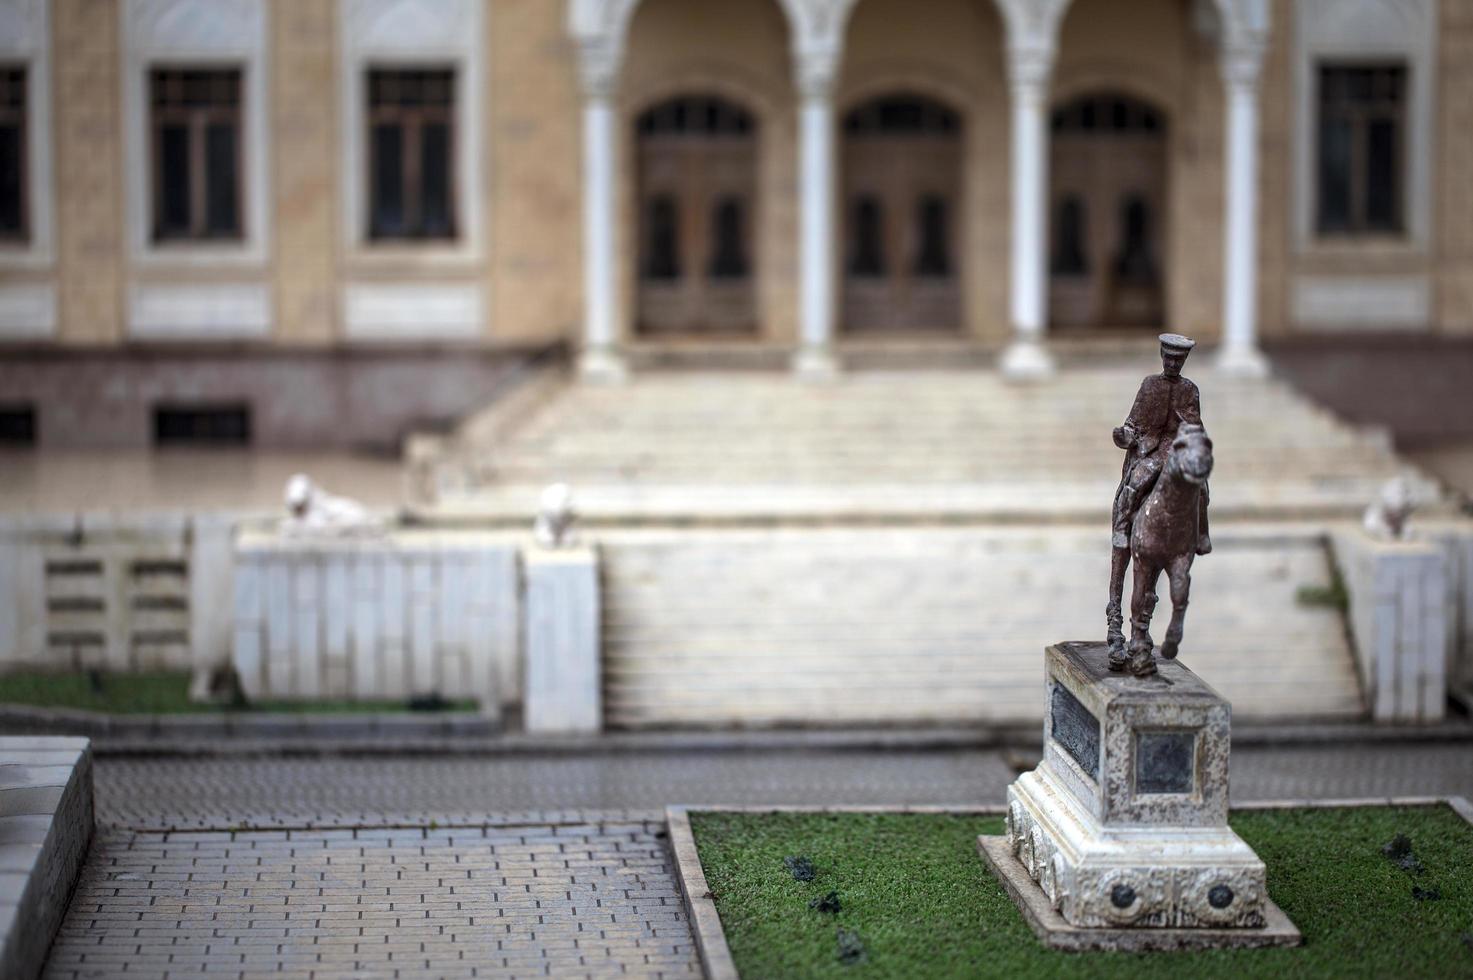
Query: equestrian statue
[[1159, 519]]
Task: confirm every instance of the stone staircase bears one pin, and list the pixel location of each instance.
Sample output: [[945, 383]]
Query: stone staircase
[[899, 546], [920, 444], [733, 627]]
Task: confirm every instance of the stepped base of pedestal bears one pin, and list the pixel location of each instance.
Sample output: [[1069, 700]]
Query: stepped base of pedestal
[[1053, 930], [1154, 876]]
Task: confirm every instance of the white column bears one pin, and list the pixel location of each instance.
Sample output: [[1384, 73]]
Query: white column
[[817, 287], [1026, 357], [1032, 38], [600, 359], [1240, 355]]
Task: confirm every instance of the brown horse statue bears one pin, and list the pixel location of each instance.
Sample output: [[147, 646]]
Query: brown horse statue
[[1163, 537]]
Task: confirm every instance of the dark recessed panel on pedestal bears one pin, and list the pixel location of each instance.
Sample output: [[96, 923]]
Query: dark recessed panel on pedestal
[[1076, 730], [1164, 761]]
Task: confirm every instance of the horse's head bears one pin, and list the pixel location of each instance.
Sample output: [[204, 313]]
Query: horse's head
[[1191, 453]]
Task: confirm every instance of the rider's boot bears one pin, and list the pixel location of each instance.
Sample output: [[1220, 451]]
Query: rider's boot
[[1120, 520]]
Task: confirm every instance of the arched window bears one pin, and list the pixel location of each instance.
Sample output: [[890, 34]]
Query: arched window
[[696, 115], [1069, 255], [728, 240], [901, 114], [1108, 112]]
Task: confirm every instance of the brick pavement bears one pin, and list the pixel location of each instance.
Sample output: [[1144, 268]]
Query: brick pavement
[[505, 866], [505, 900]]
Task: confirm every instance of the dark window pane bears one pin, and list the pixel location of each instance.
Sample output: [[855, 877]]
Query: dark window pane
[[729, 250], [868, 257], [1334, 175], [934, 258], [173, 147], [11, 184], [1069, 257], [17, 425], [1382, 182], [1134, 262], [663, 258], [207, 424], [387, 206], [221, 191], [436, 219]]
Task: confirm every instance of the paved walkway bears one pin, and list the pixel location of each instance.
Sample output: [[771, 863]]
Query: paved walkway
[[518, 866]]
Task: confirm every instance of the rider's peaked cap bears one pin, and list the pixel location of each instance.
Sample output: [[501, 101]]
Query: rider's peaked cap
[[1176, 343]]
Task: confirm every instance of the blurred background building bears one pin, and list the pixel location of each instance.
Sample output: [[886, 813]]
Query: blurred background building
[[322, 222], [508, 243]]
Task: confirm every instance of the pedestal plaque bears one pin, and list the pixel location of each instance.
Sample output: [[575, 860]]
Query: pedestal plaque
[[1122, 829]]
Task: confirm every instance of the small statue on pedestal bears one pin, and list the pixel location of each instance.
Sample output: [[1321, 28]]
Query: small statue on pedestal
[[1159, 519]]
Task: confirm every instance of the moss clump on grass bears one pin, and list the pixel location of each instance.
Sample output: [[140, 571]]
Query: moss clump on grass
[[163, 692], [920, 900]]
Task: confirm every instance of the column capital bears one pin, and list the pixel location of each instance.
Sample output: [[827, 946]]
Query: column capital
[[599, 57], [1241, 61], [1032, 39], [816, 69]]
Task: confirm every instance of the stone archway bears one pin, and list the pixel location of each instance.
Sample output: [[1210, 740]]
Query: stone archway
[[696, 203], [1107, 212], [901, 213]]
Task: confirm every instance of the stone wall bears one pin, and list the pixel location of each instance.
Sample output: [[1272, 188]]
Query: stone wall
[[1399, 614], [378, 618]]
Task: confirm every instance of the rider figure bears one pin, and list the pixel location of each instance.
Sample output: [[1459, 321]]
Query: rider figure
[[1164, 401]]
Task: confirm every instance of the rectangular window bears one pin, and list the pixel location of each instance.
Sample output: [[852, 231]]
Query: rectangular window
[[226, 424], [196, 120], [14, 223], [1362, 149], [17, 425], [411, 141]]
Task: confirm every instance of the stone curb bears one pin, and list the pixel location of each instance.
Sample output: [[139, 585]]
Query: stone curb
[[467, 733], [705, 921], [46, 826]]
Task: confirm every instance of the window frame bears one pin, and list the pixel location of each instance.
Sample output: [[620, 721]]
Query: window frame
[[412, 121], [1361, 116], [197, 121]]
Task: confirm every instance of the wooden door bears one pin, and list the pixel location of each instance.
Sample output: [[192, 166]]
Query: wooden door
[[697, 181], [1107, 207], [901, 214]]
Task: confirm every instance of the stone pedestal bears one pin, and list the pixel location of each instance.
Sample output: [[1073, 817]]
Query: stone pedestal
[[1122, 828], [563, 692]]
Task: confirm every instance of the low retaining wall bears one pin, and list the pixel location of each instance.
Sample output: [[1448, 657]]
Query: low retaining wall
[[46, 821], [97, 591], [1404, 611], [389, 617]]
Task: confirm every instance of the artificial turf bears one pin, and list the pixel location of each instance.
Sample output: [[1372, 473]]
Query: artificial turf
[[916, 900], [160, 692]]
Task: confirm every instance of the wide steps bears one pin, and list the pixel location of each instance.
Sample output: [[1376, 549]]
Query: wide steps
[[945, 625]]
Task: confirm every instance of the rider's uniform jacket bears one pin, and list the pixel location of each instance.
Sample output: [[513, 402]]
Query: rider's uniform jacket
[[1161, 405]]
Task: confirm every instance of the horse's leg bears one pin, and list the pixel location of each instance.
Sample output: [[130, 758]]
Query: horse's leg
[[1180, 574], [1142, 605], [1114, 621]]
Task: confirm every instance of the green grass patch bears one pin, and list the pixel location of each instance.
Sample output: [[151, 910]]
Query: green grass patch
[[918, 901], [162, 693]]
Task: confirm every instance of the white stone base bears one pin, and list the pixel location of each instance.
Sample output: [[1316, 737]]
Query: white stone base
[[602, 365], [815, 364], [1143, 876], [1026, 359], [1241, 362], [561, 631]]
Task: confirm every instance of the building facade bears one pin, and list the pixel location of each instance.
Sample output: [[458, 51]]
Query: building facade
[[272, 206]]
